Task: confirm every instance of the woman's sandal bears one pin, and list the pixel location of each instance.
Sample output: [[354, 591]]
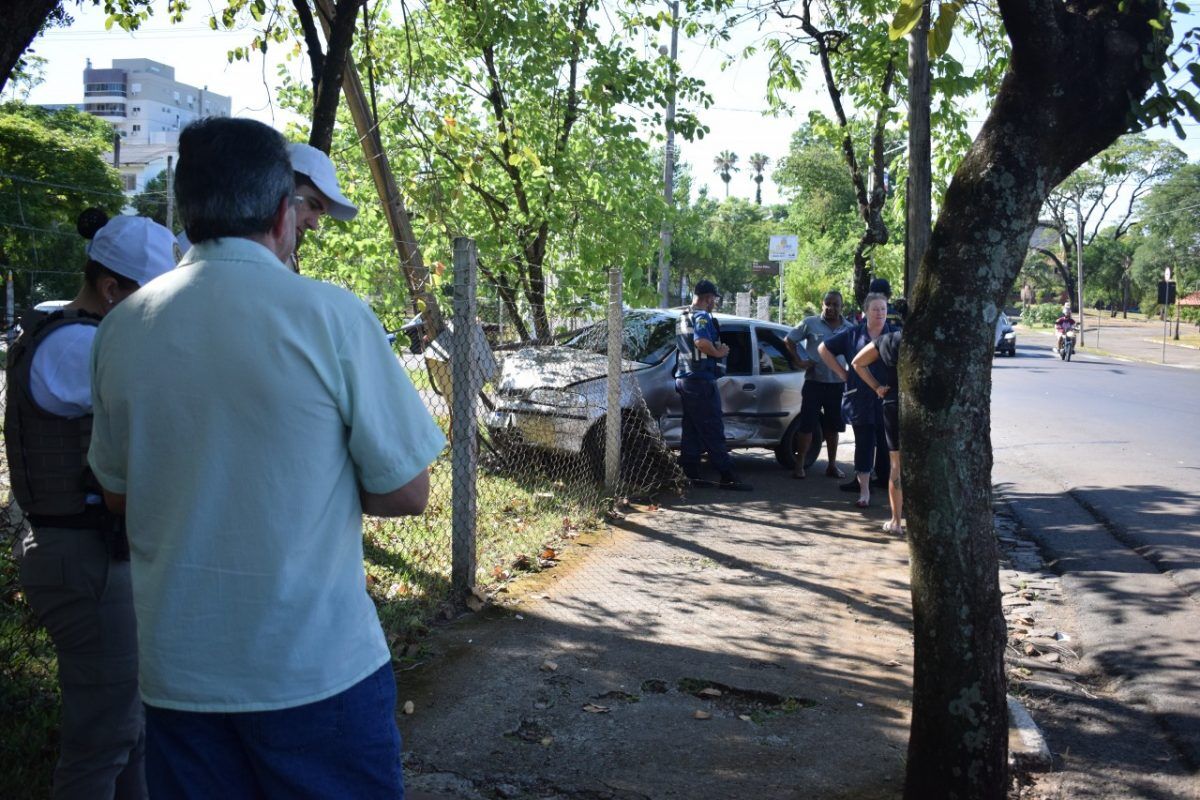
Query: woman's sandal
[[860, 503], [834, 472], [889, 527]]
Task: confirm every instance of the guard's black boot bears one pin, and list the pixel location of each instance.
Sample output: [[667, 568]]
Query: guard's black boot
[[733, 483]]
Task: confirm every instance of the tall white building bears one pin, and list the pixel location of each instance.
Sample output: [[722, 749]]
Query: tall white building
[[143, 101], [147, 107]]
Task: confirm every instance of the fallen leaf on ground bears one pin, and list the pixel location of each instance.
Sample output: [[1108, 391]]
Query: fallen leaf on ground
[[409, 707], [549, 666], [709, 692], [547, 741], [702, 715], [744, 717], [892, 663], [595, 708]]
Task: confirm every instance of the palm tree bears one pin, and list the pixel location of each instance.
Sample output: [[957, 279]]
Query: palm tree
[[758, 162], [724, 163]]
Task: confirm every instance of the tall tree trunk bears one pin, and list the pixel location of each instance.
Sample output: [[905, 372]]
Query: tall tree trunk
[[1065, 98], [535, 293], [919, 201], [20, 21]]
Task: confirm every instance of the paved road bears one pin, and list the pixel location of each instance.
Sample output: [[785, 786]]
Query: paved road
[[1100, 460]]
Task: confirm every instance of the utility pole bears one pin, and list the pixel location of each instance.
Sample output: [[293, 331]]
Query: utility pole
[[1079, 263], [664, 252], [919, 189], [170, 195]]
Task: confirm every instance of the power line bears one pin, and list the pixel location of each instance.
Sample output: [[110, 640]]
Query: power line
[[83, 189], [72, 233]]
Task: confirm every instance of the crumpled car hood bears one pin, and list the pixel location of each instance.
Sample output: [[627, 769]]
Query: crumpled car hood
[[555, 367]]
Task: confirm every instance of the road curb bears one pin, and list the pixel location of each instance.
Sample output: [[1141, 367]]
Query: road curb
[[1027, 749]]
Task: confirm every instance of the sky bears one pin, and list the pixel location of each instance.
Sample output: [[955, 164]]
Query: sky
[[198, 54], [736, 120]]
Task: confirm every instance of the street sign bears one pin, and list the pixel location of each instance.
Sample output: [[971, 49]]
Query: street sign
[[784, 248], [764, 269], [1166, 293]]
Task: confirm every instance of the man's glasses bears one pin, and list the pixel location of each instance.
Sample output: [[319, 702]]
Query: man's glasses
[[311, 202]]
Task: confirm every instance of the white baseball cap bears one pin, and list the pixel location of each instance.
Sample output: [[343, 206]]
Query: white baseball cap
[[308, 160], [136, 248]]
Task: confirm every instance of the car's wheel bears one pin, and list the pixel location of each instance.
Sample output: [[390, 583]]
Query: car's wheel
[[783, 450], [646, 461]]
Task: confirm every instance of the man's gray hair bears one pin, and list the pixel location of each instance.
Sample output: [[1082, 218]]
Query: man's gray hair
[[232, 175]]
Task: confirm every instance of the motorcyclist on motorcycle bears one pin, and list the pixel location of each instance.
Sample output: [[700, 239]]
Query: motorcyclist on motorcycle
[[1063, 325]]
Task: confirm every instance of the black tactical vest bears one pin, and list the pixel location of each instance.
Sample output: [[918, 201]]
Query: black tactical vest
[[47, 454]]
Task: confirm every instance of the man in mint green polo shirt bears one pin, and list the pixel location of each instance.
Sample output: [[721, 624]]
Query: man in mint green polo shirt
[[246, 417]]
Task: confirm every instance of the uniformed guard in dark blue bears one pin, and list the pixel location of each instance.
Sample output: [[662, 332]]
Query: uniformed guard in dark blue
[[700, 363]]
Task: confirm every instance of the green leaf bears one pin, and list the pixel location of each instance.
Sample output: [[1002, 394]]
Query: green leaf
[[1158, 26], [1182, 8], [906, 18], [943, 30]]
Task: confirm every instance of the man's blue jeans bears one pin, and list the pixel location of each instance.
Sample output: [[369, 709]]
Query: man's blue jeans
[[346, 746]]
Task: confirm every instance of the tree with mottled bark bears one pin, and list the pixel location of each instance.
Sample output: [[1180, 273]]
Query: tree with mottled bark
[[1073, 85]]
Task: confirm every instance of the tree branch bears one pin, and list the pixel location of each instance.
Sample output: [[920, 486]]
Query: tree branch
[[312, 43]]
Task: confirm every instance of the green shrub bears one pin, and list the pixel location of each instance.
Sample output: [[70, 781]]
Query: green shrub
[[1041, 315]]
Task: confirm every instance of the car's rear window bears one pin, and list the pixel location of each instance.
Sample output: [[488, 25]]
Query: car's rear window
[[647, 338]]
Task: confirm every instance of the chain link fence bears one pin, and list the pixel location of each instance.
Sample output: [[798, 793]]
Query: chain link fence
[[527, 467], [29, 702]]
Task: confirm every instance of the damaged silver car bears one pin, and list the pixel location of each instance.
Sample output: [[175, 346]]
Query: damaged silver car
[[555, 397]]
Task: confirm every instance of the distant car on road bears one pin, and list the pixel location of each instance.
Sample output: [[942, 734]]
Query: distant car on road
[[554, 398], [1006, 337]]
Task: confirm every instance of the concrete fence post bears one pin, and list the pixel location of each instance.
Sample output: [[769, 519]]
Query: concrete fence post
[[464, 443], [612, 439]]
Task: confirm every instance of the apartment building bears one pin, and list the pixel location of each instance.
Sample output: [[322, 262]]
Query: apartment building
[[147, 107]]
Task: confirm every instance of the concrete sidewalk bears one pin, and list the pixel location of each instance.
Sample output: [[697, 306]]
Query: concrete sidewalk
[[727, 644]]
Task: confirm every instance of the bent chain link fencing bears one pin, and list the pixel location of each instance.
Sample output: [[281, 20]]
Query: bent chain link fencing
[[532, 469]]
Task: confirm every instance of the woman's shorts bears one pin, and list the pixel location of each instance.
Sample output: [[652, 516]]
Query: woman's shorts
[[891, 426]]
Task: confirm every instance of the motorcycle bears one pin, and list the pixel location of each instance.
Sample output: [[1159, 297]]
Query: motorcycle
[[1066, 348]]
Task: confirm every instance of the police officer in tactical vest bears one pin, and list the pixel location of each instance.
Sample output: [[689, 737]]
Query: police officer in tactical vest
[[697, 369], [74, 562]]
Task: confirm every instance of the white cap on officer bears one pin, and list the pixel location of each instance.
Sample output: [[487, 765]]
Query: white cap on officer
[[308, 160], [136, 248]]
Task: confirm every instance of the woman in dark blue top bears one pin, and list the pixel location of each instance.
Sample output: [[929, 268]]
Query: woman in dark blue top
[[886, 350], [860, 406]]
